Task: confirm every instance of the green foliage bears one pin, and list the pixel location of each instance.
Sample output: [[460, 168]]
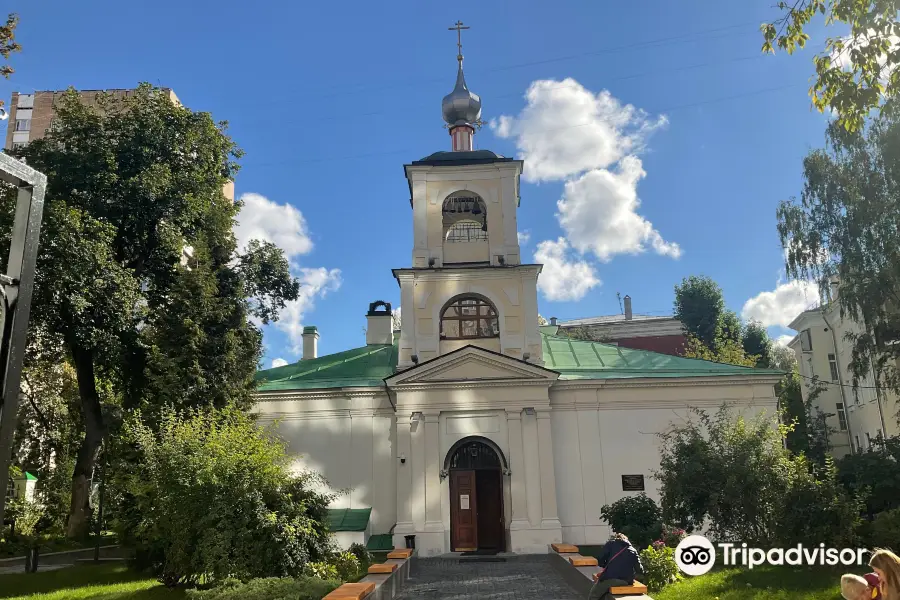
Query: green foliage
[[884, 531], [756, 342], [660, 568], [671, 536], [8, 44], [131, 183], [213, 497], [730, 328], [322, 570], [347, 565], [362, 554], [734, 476], [638, 517], [854, 73], [273, 588], [843, 228], [699, 306], [875, 476], [726, 351], [808, 431]]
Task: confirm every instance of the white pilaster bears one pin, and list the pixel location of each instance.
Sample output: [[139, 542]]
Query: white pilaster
[[532, 469], [417, 431], [519, 518], [432, 474], [404, 480], [549, 514]]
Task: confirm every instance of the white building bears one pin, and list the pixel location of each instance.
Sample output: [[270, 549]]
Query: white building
[[471, 427], [856, 415]]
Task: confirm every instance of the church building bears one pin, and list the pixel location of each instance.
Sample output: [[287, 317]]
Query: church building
[[472, 427]]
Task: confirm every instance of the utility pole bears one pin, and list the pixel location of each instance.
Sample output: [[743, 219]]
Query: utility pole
[[16, 286]]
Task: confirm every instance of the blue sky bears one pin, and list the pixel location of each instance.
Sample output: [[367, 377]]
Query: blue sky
[[329, 100]]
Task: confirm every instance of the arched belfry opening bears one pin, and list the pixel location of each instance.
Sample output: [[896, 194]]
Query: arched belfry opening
[[464, 220], [476, 467]]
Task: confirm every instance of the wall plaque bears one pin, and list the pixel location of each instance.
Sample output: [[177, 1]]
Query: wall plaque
[[464, 502], [632, 483]]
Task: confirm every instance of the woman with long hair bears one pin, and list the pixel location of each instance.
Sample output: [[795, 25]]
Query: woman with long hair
[[887, 565]]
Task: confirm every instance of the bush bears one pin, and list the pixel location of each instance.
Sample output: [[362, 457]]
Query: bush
[[303, 588], [670, 536], [322, 570], [660, 568], [212, 496], [347, 566], [638, 517], [884, 530], [736, 475], [361, 553]]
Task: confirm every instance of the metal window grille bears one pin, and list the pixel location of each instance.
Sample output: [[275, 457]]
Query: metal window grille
[[469, 318], [466, 231]]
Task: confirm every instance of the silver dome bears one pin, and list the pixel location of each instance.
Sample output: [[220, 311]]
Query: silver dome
[[461, 107]]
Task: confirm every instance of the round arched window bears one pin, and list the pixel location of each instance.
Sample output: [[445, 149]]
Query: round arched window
[[469, 317]]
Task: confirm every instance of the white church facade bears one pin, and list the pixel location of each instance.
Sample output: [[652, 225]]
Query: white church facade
[[472, 427]]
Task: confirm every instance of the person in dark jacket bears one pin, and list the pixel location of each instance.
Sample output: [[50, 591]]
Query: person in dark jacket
[[620, 563]]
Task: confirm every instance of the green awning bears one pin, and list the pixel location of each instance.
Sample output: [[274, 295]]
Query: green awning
[[380, 542], [348, 519]]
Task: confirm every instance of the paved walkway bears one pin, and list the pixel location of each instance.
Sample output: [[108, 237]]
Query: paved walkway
[[519, 578]]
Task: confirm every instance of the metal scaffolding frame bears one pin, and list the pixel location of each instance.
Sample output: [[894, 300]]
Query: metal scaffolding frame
[[16, 287]]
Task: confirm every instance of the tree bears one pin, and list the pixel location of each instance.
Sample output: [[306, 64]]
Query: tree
[[756, 342], [214, 496], [843, 229], [726, 351], [854, 74], [542, 321], [734, 475], [8, 44], [730, 328], [699, 305], [130, 184]]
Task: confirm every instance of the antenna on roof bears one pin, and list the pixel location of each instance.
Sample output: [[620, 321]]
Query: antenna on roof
[[619, 297]]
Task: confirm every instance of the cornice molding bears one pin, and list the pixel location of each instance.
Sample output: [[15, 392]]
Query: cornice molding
[[658, 382]]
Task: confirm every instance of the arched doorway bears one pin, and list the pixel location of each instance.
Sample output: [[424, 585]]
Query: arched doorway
[[476, 467]]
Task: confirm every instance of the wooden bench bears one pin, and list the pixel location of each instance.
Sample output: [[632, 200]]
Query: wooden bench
[[583, 561], [351, 591], [625, 590], [382, 569], [565, 548], [400, 553]]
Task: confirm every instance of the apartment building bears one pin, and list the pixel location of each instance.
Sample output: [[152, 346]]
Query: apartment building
[[857, 416]]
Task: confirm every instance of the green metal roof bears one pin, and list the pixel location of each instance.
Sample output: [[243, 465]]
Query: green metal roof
[[380, 542], [368, 366], [577, 359], [359, 367], [348, 519]]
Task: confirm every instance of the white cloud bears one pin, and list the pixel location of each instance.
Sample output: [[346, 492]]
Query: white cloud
[[279, 362], [566, 129], [563, 278], [314, 284], [523, 236], [281, 224], [783, 340], [783, 304], [598, 213]]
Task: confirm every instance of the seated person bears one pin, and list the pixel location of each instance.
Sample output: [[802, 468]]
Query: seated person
[[854, 587], [620, 562]]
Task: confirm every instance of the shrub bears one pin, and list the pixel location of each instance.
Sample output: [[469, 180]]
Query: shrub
[[322, 570], [660, 568], [635, 516], [361, 553], [212, 496], [347, 566], [671, 536], [303, 588], [884, 531], [735, 474]]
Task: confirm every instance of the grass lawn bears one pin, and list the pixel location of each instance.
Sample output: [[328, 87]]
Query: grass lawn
[[100, 582], [761, 583]]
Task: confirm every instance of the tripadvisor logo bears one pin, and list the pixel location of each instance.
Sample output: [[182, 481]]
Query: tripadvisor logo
[[696, 555]]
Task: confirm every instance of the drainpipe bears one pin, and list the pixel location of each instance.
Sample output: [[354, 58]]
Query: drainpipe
[[840, 381]]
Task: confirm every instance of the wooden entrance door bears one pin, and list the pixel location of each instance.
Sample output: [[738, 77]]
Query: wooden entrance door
[[489, 484], [463, 511]]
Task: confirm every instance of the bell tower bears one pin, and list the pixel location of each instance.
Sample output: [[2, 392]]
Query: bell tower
[[467, 284]]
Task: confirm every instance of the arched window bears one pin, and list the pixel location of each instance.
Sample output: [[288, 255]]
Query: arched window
[[469, 317], [466, 231]]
